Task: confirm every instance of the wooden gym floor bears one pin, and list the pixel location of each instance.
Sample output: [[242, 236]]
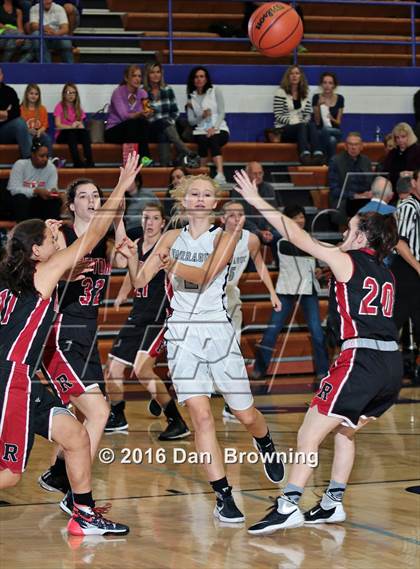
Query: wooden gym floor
[[169, 506]]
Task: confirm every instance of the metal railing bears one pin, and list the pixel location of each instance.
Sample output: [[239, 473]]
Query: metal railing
[[412, 42]]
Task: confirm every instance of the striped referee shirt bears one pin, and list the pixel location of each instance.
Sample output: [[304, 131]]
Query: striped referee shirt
[[408, 215]]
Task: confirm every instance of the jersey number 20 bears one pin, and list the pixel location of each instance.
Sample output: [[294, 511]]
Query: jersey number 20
[[367, 308]]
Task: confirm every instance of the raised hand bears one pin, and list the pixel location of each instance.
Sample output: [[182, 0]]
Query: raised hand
[[78, 271], [245, 187], [129, 171], [54, 226]]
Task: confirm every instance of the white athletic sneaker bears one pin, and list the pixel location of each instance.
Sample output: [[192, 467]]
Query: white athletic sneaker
[[283, 514], [220, 179]]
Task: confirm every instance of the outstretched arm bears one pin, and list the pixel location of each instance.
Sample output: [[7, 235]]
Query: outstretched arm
[[340, 263], [48, 273]]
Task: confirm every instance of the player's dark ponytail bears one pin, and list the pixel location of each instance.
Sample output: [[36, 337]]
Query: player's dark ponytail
[[17, 268], [381, 232]]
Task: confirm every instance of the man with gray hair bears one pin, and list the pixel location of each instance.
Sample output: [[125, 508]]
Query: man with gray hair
[[382, 193]]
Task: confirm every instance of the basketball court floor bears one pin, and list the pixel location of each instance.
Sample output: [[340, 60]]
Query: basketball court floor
[[168, 503]]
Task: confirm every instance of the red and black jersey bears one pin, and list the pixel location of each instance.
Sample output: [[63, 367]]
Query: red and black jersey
[[363, 307], [25, 322], [150, 302], [81, 299]]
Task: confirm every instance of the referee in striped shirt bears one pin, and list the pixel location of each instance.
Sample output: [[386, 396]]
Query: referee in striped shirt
[[406, 266]]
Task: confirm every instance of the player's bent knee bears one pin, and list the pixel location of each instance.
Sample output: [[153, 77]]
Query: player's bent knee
[[203, 421]]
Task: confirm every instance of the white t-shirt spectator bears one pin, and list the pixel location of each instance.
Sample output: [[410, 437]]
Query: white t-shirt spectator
[[24, 178], [54, 18]]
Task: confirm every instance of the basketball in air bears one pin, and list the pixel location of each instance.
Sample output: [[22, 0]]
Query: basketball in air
[[275, 29]]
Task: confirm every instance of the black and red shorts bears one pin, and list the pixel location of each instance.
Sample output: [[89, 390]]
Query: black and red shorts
[[71, 361], [361, 383], [139, 337], [26, 409]]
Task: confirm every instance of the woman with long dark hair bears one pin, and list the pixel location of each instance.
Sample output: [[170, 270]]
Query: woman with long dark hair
[[365, 379], [30, 272], [206, 113]]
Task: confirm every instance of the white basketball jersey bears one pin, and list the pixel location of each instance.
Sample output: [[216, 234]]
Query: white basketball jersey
[[189, 297], [240, 259]]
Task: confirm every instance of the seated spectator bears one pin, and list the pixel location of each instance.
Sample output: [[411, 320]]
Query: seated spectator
[[162, 120], [297, 282], [405, 157], [175, 177], [416, 105], [73, 9], [129, 111], [255, 222], [206, 113], [56, 24], [349, 178], [33, 184], [70, 128], [35, 114], [389, 144], [137, 198], [382, 194], [328, 111], [403, 189], [25, 6], [11, 22], [293, 116], [13, 129]]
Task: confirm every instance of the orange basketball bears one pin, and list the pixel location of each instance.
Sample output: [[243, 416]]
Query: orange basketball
[[275, 29]]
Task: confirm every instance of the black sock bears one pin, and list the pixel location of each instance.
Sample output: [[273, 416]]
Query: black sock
[[84, 499], [222, 486], [59, 467], [265, 441], [171, 411]]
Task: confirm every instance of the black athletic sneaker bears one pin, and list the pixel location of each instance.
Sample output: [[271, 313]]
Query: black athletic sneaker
[[154, 408], [66, 504], [226, 510], [176, 429], [272, 462], [282, 515], [90, 521], [319, 515], [116, 420], [53, 482]]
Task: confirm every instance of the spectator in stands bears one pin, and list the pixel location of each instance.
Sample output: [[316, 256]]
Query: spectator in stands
[[25, 6], [175, 177], [136, 199], [328, 111], [33, 184], [405, 157], [129, 111], [73, 9], [416, 105], [56, 24], [389, 144], [293, 116], [70, 128], [406, 265], [35, 114], [13, 129], [206, 113], [349, 178], [382, 194], [255, 222], [162, 120], [297, 282], [11, 22]]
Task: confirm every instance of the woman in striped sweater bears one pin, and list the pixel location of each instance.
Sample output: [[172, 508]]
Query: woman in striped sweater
[[293, 116]]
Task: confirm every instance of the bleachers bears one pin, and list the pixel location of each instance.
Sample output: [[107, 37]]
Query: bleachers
[[339, 22]]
